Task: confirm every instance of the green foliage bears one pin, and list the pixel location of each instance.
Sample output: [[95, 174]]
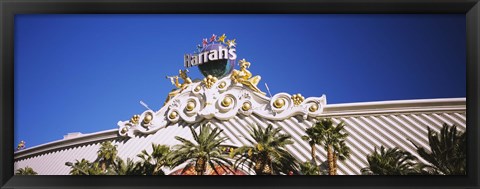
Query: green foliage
[[85, 167], [332, 137], [341, 150], [330, 134], [25, 171], [447, 156], [80, 167], [204, 150], [129, 167], [447, 153], [390, 161], [307, 168], [266, 154], [107, 154], [314, 138], [152, 164]]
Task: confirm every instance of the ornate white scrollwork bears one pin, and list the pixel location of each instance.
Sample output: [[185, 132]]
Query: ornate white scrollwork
[[246, 108], [280, 102], [223, 101]]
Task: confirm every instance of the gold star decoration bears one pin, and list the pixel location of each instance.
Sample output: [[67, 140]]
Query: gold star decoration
[[222, 38], [231, 43]]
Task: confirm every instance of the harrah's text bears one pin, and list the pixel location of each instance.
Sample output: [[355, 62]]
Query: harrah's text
[[214, 54]]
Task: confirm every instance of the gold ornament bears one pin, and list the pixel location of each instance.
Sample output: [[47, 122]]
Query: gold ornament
[[222, 85], [148, 118], [227, 101], [313, 107], [21, 145], [135, 119], [198, 88], [190, 106], [209, 81], [244, 77], [222, 38], [246, 106], [180, 86], [124, 130], [297, 99], [280, 102], [173, 115]]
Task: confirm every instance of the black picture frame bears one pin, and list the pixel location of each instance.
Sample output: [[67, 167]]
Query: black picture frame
[[9, 8]]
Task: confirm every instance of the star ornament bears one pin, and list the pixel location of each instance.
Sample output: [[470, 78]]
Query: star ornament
[[204, 42], [231, 43], [222, 38], [213, 38]]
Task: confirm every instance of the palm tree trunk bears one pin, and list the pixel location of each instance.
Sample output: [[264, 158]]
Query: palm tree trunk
[[258, 168], [200, 166], [261, 166], [330, 160], [156, 170], [270, 167], [104, 166], [313, 155], [335, 164], [263, 169]]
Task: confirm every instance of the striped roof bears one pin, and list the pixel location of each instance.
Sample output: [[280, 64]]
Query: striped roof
[[370, 124]]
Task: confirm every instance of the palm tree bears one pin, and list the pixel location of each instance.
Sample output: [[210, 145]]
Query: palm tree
[[331, 137], [129, 167], [341, 151], [307, 168], [391, 161], [206, 149], [25, 171], [266, 154], [106, 155], [447, 154], [313, 137], [80, 167], [96, 169], [85, 167], [152, 163]]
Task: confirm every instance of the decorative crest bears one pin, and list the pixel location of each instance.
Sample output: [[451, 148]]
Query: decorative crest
[[217, 96]]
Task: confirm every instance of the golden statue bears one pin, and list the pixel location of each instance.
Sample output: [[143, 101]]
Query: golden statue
[[244, 77], [21, 145], [180, 86]]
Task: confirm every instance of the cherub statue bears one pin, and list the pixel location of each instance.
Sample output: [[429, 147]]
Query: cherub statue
[[244, 77], [180, 86], [21, 145]]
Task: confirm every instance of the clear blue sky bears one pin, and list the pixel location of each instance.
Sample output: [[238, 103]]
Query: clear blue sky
[[84, 73]]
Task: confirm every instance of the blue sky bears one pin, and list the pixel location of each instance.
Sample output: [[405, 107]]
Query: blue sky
[[84, 73]]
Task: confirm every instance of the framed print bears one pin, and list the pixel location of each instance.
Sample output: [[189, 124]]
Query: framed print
[[309, 94]]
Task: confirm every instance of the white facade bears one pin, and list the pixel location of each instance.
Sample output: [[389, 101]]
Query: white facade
[[370, 124]]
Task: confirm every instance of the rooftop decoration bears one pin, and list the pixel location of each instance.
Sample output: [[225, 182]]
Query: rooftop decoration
[[21, 145], [215, 56], [180, 86], [223, 94]]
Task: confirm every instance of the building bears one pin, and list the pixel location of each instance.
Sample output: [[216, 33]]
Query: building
[[232, 102], [370, 124]]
